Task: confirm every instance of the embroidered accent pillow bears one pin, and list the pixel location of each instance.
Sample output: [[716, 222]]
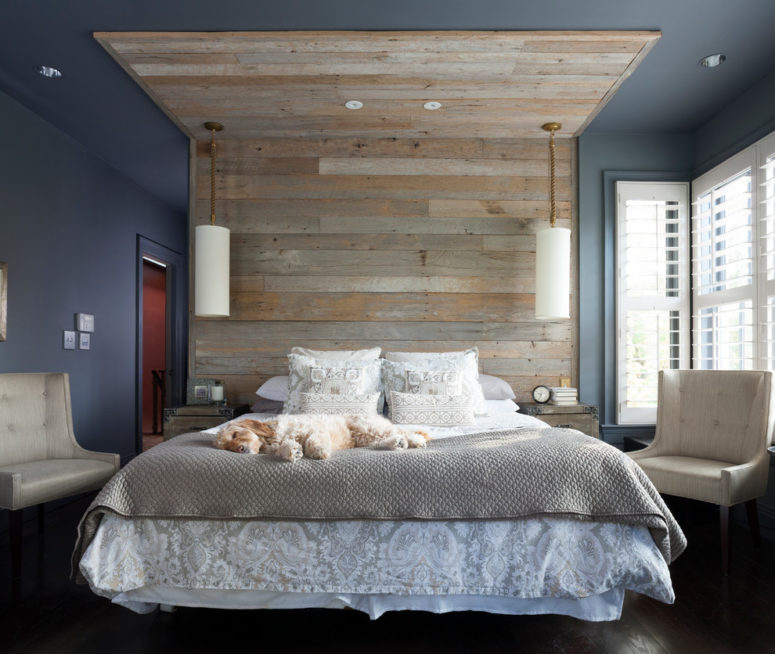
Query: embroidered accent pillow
[[434, 382], [342, 404], [467, 362], [307, 375], [424, 409], [395, 376]]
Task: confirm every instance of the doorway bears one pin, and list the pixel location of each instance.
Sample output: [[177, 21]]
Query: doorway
[[161, 342], [154, 373]]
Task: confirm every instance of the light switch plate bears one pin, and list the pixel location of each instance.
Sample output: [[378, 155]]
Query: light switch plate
[[68, 341], [84, 322]]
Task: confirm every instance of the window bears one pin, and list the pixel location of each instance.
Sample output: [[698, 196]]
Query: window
[[733, 262], [652, 292]]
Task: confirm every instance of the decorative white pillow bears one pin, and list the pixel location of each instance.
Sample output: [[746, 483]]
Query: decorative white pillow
[[424, 409], [466, 361], [344, 404], [434, 382], [274, 388], [339, 355], [495, 388], [395, 374], [330, 376]]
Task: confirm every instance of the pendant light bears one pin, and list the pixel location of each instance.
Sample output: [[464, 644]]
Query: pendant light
[[211, 254], [552, 256]]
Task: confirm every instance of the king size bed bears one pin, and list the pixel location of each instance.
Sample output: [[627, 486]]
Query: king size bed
[[502, 514]]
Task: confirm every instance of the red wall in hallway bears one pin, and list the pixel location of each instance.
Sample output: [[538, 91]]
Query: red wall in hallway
[[154, 330]]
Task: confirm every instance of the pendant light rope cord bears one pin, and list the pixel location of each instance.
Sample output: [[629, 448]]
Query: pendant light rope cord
[[212, 177], [553, 211]]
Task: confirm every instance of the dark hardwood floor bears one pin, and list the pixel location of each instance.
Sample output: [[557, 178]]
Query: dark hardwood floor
[[711, 614]]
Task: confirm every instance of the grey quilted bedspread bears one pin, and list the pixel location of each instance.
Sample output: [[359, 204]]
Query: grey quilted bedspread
[[494, 475]]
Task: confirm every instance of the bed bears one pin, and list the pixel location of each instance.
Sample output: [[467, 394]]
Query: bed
[[514, 559]]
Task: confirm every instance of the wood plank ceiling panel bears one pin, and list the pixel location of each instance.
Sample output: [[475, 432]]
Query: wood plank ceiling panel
[[294, 84]]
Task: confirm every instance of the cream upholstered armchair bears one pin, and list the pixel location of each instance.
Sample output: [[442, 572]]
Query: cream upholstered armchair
[[713, 430], [39, 457]]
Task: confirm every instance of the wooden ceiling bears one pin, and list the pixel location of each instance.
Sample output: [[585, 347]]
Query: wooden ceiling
[[295, 84]]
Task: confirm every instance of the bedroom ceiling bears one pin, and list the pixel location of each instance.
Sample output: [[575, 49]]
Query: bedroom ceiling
[[295, 84], [101, 107]]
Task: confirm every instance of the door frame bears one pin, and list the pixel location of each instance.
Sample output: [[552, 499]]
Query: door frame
[[177, 327]]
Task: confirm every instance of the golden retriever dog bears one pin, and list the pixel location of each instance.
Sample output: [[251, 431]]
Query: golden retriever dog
[[314, 436]]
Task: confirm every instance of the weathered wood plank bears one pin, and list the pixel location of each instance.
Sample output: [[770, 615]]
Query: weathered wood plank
[[490, 208], [467, 148], [371, 242], [332, 41], [437, 225], [426, 334], [247, 260], [215, 348], [249, 362], [405, 307], [382, 284], [428, 166], [396, 187]]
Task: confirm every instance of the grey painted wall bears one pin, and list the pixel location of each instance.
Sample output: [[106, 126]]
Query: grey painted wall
[[68, 230], [742, 122], [603, 159]]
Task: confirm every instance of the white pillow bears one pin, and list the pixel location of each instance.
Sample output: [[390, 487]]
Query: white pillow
[[274, 388], [467, 361], [499, 407], [339, 355], [495, 388], [346, 404], [307, 375], [424, 409]]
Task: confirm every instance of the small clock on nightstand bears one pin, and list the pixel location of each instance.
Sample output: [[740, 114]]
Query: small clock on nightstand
[[541, 394]]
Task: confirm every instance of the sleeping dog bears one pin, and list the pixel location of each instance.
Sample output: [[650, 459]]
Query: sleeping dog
[[314, 436]]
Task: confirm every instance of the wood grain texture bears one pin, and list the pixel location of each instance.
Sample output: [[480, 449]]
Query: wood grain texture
[[349, 260], [294, 84], [390, 225]]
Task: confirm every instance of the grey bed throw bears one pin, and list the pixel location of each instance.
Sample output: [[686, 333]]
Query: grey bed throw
[[508, 474]]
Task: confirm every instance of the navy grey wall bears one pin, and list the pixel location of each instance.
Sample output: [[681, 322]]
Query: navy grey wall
[[603, 159], [742, 122], [68, 230]]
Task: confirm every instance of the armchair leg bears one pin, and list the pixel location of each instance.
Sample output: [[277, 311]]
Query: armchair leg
[[41, 514], [724, 515], [15, 529], [753, 522]]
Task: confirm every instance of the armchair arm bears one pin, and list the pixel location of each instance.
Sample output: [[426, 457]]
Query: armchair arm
[[743, 482], [10, 486], [106, 457]]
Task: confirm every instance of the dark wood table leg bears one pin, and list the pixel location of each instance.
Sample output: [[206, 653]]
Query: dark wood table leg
[[724, 514]]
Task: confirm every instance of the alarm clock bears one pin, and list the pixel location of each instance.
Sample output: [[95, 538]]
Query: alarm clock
[[541, 394]]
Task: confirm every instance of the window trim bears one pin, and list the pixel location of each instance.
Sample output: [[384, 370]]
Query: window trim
[[628, 416]]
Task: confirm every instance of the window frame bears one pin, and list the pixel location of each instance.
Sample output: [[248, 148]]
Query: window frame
[[668, 190]]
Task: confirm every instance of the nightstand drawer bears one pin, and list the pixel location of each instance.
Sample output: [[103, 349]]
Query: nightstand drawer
[[185, 419], [582, 417]]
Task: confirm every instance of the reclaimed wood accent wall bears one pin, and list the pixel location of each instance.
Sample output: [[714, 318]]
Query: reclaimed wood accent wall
[[413, 244]]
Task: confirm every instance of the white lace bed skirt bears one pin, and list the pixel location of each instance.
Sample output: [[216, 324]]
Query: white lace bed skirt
[[537, 565]]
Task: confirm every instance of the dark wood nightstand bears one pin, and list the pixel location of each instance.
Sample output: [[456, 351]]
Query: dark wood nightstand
[[577, 416], [190, 417]]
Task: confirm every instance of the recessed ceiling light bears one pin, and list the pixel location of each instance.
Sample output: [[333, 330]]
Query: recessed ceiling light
[[711, 61], [432, 106], [353, 104], [49, 71]]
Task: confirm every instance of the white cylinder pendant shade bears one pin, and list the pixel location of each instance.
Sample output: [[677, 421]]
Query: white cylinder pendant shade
[[211, 272], [552, 274]]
